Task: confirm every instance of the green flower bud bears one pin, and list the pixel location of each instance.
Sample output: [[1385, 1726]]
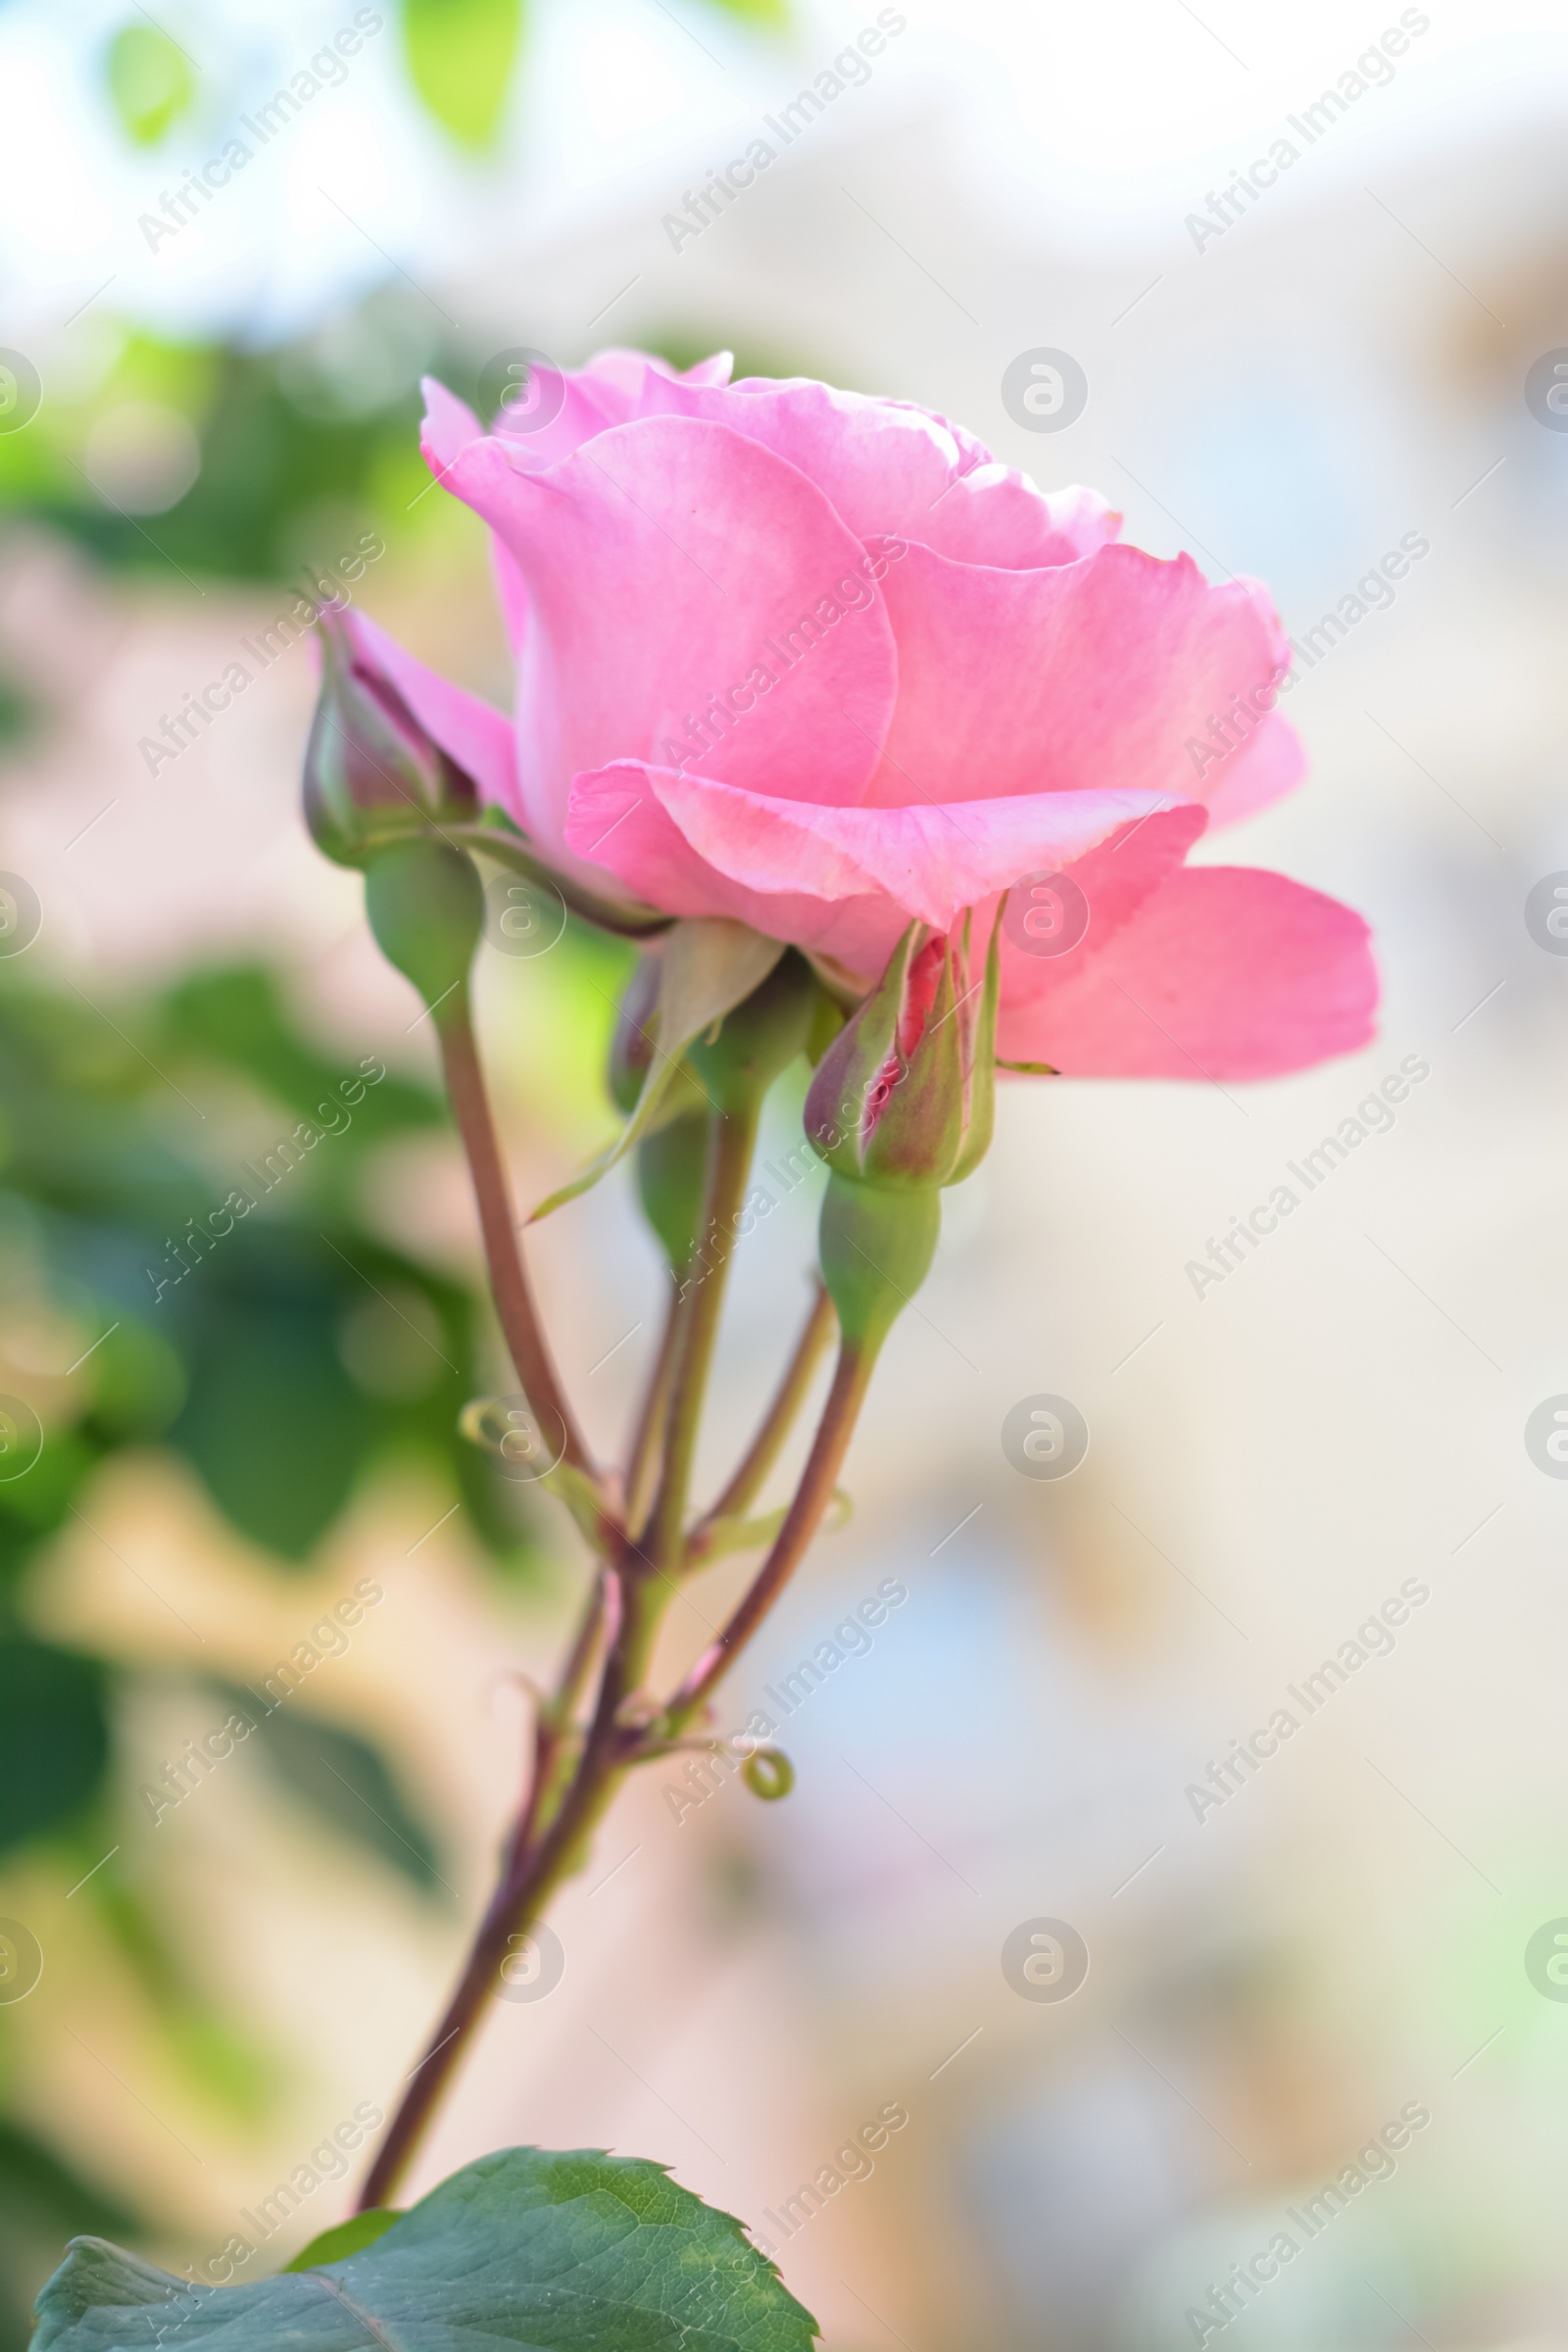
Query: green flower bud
[[426, 908], [371, 773], [903, 1098]]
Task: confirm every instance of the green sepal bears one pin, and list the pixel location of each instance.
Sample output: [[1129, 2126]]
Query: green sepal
[[875, 1250], [706, 967], [919, 1134], [840, 1093], [980, 1058], [372, 775], [426, 908]]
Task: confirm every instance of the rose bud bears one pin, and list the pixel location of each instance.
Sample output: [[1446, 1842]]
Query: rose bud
[[371, 774], [904, 1094], [901, 1105]]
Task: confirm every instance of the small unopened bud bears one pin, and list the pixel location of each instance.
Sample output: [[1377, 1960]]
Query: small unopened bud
[[903, 1097], [372, 775]]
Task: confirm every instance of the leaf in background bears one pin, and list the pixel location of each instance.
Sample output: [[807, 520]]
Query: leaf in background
[[54, 1738], [236, 1016], [461, 54], [553, 2252], [151, 81], [273, 1423], [42, 2203], [772, 13], [344, 1780]]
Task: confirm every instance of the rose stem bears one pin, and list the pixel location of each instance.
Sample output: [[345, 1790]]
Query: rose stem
[[731, 1134], [536, 1871], [779, 1418], [610, 1751], [642, 1468], [851, 1379], [509, 1280], [642, 1586]]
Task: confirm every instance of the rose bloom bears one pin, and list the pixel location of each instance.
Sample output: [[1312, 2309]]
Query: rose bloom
[[819, 663]]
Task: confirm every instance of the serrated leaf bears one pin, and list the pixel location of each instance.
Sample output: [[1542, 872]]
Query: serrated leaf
[[554, 2253], [461, 54], [707, 964]]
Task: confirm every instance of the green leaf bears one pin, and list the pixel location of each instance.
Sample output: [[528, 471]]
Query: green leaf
[[42, 2202], [352, 2236], [555, 2253], [54, 1740], [151, 81], [706, 967], [461, 54], [344, 1780]]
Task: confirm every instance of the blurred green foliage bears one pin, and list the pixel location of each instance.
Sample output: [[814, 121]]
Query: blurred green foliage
[[151, 81], [461, 54], [294, 1355]]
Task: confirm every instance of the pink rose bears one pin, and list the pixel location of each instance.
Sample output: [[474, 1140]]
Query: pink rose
[[819, 663]]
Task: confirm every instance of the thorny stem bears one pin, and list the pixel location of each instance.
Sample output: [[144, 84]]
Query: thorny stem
[[779, 1418], [578, 1771], [509, 1280]]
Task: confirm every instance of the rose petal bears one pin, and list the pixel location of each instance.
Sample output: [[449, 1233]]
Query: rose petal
[[1261, 770], [887, 465], [702, 847], [1100, 673], [743, 574], [472, 732], [1228, 972]]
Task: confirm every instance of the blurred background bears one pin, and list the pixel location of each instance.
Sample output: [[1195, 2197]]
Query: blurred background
[[208, 405]]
